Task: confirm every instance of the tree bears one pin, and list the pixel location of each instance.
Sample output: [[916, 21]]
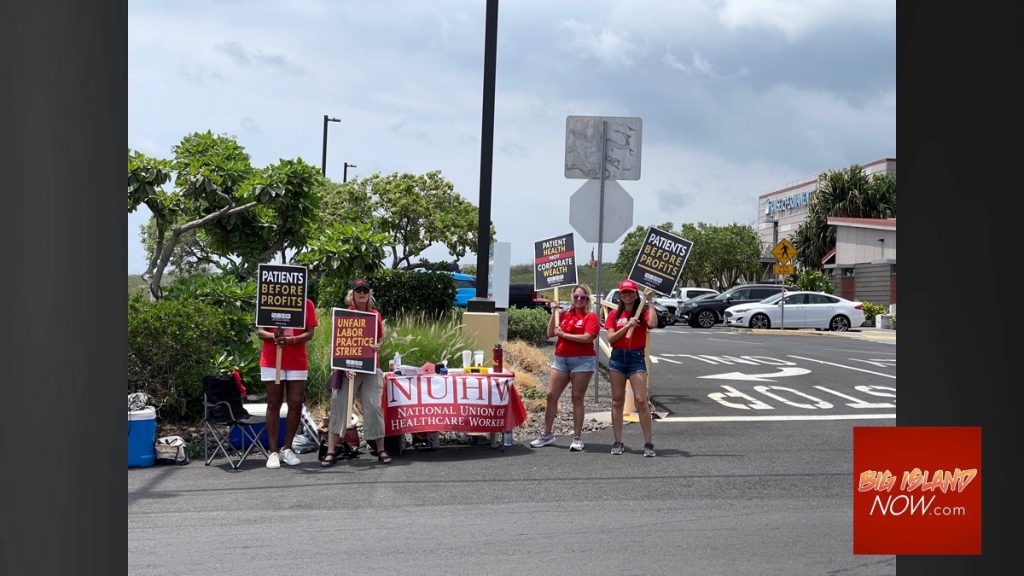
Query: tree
[[846, 194], [415, 212], [221, 206]]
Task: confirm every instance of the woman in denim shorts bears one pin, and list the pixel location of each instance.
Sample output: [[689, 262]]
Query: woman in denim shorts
[[628, 361], [575, 361]]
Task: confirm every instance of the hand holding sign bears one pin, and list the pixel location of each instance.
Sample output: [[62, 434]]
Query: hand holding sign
[[636, 313]]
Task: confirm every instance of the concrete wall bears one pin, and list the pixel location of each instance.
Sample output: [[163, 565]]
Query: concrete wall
[[872, 283], [862, 245]]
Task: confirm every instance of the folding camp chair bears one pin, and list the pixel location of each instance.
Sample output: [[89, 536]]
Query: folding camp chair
[[222, 406]]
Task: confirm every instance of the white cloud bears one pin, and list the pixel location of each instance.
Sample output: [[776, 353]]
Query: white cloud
[[737, 98]]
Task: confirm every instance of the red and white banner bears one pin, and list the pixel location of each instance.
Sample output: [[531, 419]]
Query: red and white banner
[[451, 403]]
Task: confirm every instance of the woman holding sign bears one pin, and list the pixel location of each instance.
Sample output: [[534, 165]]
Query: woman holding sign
[[627, 333], [575, 361], [292, 382], [368, 386]]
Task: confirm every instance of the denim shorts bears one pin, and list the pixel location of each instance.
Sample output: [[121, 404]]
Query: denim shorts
[[575, 363], [628, 362]]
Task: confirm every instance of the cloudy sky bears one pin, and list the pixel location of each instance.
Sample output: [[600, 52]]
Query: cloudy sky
[[737, 97]]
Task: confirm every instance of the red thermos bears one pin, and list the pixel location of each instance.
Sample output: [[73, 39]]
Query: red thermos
[[497, 357]]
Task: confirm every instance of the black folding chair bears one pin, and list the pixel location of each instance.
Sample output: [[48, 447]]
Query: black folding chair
[[222, 407]]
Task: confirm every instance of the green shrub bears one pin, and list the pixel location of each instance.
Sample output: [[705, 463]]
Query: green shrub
[[421, 339], [401, 293], [528, 324], [872, 310], [318, 357], [172, 344], [535, 393], [237, 300], [813, 280]]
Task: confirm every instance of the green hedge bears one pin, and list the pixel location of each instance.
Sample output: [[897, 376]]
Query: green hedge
[[397, 292], [528, 324], [172, 344]]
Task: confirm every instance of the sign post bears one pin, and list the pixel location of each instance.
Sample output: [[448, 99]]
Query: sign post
[[600, 148], [784, 251], [281, 301]]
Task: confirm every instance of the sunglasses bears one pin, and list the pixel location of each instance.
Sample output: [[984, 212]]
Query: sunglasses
[[362, 290], [580, 297]]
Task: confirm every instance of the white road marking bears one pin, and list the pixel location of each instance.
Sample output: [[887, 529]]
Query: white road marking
[[858, 351], [880, 362], [795, 418], [782, 373], [842, 366], [738, 341]]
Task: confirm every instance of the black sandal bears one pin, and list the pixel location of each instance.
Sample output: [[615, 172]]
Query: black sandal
[[328, 460], [383, 457]]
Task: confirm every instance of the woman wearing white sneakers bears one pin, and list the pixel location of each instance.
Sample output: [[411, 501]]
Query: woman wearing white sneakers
[[575, 361], [293, 383]]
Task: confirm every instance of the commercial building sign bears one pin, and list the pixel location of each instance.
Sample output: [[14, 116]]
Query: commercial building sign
[[797, 200]]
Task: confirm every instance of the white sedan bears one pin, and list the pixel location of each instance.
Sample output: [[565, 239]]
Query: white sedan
[[799, 310]]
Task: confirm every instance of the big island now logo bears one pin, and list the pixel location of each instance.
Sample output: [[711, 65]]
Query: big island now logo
[[917, 490]]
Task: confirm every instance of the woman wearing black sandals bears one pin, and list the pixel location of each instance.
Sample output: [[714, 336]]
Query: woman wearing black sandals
[[368, 386]]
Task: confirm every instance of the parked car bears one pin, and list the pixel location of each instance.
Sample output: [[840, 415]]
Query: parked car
[[522, 295], [666, 315], [688, 293], [798, 310], [706, 312], [465, 288]]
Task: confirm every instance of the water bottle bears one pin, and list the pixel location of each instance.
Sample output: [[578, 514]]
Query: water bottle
[[498, 358], [398, 363], [506, 439]]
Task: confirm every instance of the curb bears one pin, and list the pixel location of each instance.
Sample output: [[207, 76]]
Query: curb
[[861, 333]]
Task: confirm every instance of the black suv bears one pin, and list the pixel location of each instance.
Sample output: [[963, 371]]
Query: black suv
[[706, 312]]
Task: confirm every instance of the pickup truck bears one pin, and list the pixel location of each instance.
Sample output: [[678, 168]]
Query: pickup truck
[[522, 295]]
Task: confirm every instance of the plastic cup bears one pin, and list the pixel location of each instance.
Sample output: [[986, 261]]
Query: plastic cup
[[478, 358], [467, 358]]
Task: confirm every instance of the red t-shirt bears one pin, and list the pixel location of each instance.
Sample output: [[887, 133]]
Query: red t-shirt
[[380, 323], [639, 338], [293, 356], [573, 322]]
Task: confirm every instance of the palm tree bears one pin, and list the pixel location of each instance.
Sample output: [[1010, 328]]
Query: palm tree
[[847, 194]]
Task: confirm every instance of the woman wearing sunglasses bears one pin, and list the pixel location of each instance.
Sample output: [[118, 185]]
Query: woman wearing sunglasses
[[575, 361], [368, 386]]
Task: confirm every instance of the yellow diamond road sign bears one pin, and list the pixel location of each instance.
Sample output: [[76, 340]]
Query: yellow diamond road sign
[[784, 251]]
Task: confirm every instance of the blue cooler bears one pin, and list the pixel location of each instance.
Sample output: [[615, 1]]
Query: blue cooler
[[142, 437]]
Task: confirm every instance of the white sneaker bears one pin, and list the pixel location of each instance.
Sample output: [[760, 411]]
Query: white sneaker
[[543, 440], [289, 457], [577, 444], [273, 461]]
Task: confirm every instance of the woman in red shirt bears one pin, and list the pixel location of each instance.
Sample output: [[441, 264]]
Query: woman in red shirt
[[293, 382], [575, 361], [628, 361]]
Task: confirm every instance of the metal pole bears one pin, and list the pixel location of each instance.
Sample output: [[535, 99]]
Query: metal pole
[[600, 246], [486, 152], [323, 161], [782, 302]]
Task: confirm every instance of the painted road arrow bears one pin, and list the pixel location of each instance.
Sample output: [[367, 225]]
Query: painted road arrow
[[783, 373]]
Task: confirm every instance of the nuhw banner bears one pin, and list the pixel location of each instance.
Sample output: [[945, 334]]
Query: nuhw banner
[[353, 334], [281, 296], [554, 263], [659, 264], [451, 403]]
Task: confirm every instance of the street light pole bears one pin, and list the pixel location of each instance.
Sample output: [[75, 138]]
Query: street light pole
[[344, 177], [323, 162]]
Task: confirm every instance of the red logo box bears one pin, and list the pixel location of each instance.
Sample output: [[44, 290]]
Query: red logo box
[[916, 490]]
